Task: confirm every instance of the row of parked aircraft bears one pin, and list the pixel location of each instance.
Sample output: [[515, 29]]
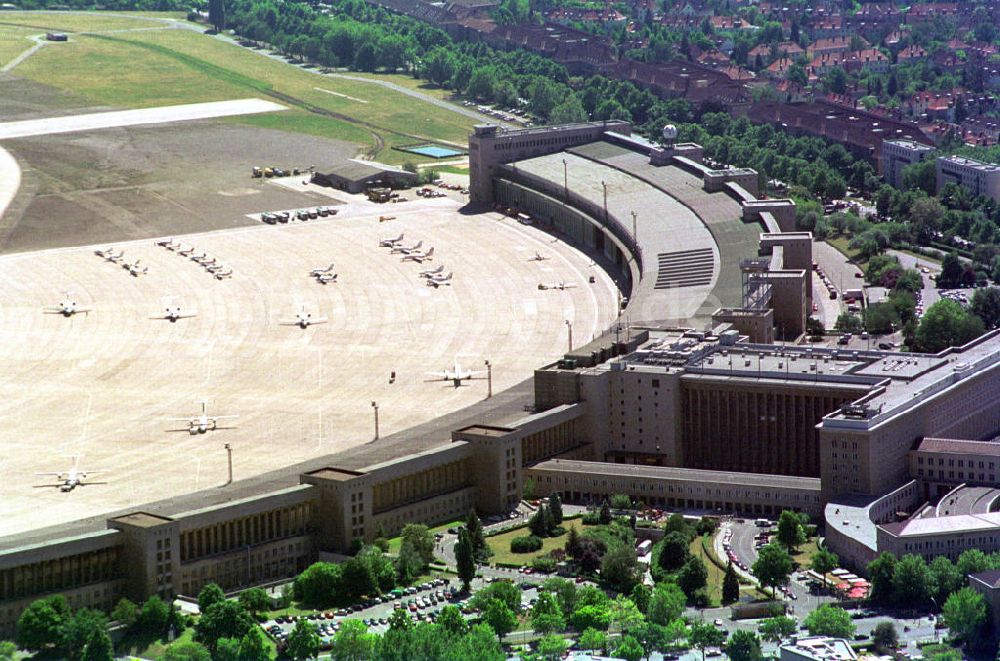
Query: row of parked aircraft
[[134, 268], [324, 275], [216, 269], [434, 277]]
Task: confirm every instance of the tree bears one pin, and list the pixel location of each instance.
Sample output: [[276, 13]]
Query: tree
[[538, 524], [353, 642], [944, 578], [126, 612], [591, 616], [317, 585], [303, 642], [743, 646], [625, 614], [555, 508], [209, 595], [504, 590], [464, 558], [640, 596], [677, 523], [730, 585], [620, 568], [704, 635], [911, 582], [7, 650], [551, 647], [666, 604], [451, 620], [591, 639], [226, 649], [573, 546], [628, 648], [499, 617], [965, 614], [848, 322], [420, 539], [253, 647], [254, 601], [881, 571], [791, 533], [885, 638], [604, 518], [546, 615], [772, 567], [693, 576], [951, 271], [186, 652], [224, 619], [98, 647], [830, 621], [78, 629], [40, 624], [674, 551], [824, 561], [475, 529], [776, 629], [985, 304], [217, 14]]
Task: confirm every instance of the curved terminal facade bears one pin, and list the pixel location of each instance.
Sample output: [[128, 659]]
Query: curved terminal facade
[[686, 403]]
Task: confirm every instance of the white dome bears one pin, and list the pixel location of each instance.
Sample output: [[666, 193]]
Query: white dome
[[669, 132]]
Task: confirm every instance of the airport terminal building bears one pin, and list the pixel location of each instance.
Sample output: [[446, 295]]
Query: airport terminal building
[[687, 403]]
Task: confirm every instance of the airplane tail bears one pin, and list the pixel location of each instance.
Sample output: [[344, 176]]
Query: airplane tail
[[430, 252]]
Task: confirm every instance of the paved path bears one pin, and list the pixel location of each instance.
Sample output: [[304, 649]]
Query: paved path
[[39, 40], [10, 179]]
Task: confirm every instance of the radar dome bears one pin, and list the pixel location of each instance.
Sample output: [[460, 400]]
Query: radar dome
[[670, 132]]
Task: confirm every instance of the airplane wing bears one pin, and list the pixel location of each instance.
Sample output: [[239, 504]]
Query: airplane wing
[[192, 313], [83, 310], [318, 320], [181, 419], [289, 322], [440, 375], [52, 310], [222, 417], [50, 474]]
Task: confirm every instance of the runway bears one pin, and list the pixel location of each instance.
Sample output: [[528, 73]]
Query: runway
[[103, 385], [118, 118]]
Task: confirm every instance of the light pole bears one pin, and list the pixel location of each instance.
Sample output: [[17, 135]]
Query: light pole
[[635, 236], [489, 379], [565, 181], [569, 325], [604, 185], [375, 408], [229, 454]]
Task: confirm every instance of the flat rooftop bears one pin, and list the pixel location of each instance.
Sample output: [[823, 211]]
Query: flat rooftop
[[142, 520], [679, 474], [970, 163], [335, 474], [669, 233], [939, 525], [958, 446]]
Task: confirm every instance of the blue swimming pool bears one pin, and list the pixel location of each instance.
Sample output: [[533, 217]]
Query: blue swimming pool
[[434, 151]]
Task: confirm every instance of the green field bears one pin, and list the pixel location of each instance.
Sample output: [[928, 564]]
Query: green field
[[396, 542], [13, 42], [145, 68], [73, 22], [500, 544]]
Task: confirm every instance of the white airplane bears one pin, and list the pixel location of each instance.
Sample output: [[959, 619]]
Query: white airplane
[[407, 250], [67, 307], [109, 255], [199, 424], [538, 258], [303, 319], [70, 479], [172, 312], [187, 252], [427, 273], [168, 244], [323, 278], [419, 256], [203, 259], [456, 374], [556, 285], [390, 243], [439, 280], [213, 267], [224, 273], [134, 269], [318, 271]]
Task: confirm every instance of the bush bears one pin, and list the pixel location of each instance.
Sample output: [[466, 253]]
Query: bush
[[591, 519], [545, 564], [525, 544], [558, 531]]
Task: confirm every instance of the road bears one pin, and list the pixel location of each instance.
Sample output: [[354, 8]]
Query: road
[[842, 273]]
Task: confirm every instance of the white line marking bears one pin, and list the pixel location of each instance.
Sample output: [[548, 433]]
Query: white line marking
[[343, 96]]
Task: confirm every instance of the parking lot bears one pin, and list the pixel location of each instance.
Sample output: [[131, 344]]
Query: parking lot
[[422, 602]]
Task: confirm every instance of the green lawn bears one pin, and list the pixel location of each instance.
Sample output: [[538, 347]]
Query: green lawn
[[803, 556], [840, 242], [14, 41], [500, 544], [73, 22], [164, 67]]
